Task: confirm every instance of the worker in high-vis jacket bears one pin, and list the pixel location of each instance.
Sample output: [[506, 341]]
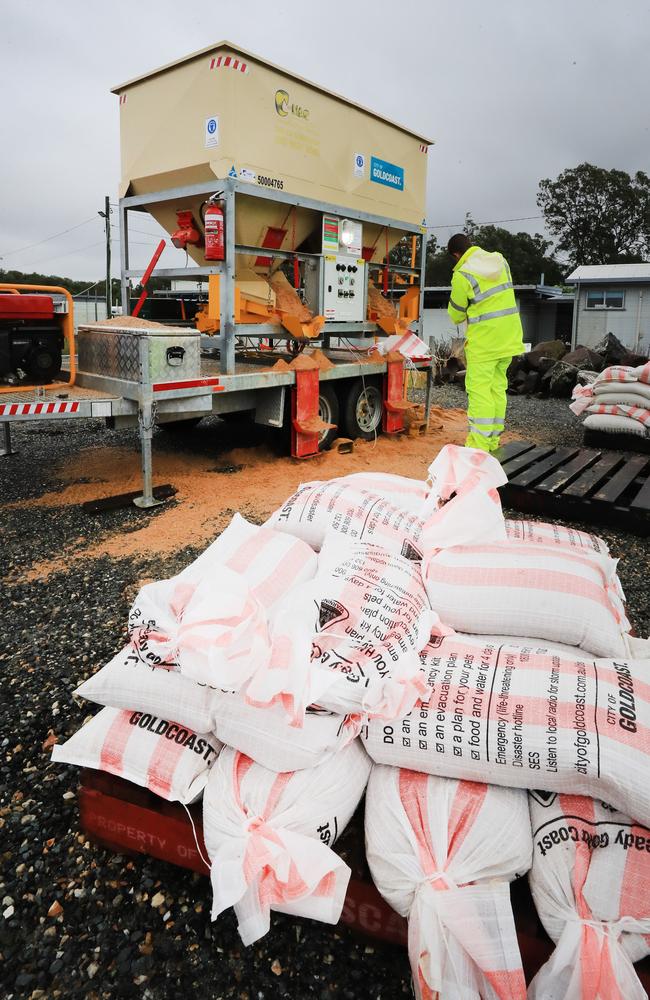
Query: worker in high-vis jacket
[[483, 303]]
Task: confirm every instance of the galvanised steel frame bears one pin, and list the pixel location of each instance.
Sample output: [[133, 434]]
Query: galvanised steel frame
[[231, 187]]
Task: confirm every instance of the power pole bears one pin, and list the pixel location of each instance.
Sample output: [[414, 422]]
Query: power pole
[[106, 216]]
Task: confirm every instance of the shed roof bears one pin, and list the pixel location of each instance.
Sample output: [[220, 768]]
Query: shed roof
[[600, 273], [225, 44]]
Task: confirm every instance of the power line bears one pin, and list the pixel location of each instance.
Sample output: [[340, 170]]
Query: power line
[[69, 253], [48, 238], [492, 222]]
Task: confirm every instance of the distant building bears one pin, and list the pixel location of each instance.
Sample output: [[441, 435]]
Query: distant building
[[612, 298], [545, 313]]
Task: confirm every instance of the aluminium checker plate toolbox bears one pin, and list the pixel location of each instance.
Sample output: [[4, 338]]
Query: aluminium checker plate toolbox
[[117, 352]]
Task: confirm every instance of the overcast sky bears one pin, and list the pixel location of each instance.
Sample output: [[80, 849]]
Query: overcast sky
[[512, 91]]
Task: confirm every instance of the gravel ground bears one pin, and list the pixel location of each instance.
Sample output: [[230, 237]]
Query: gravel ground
[[108, 940]]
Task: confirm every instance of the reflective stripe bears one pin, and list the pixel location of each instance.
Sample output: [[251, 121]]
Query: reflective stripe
[[459, 309], [493, 315], [493, 291], [472, 280], [482, 420], [475, 430]]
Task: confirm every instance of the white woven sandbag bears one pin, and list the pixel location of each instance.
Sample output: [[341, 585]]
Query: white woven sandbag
[[269, 837], [590, 881], [270, 562], [527, 714], [632, 393], [463, 504], [214, 631], [621, 409], [130, 681], [515, 589], [408, 344], [165, 757], [351, 511], [361, 622], [409, 494], [564, 535], [442, 854], [623, 373], [614, 424], [210, 622], [264, 734]]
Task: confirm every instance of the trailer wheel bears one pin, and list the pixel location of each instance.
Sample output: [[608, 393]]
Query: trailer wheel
[[363, 408], [43, 362], [180, 426], [328, 410]]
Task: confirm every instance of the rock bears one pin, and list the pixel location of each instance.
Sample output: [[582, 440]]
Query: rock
[[540, 363], [92, 970], [560, 380], [531, 383], [634, 360], [585, 377], [611, 349], [276, 968], [549, 349], [583, 357], [8, 912], [518, 363], [55, 909], [157, 900]]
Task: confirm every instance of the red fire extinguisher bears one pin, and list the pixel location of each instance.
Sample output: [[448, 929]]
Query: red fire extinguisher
[[213, 224]]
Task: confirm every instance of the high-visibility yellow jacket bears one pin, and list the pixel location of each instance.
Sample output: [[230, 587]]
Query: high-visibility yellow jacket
[[482, 295]]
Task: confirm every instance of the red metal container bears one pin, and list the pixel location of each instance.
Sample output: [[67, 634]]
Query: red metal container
[[28, 307]]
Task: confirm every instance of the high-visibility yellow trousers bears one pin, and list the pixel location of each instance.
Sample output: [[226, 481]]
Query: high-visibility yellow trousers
[[486, 383]]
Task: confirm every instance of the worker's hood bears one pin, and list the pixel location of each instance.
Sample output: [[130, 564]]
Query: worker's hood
[[484, 264]]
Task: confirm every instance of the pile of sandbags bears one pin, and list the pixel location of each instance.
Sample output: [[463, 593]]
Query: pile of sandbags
[[551, 369], [402, 633], [617, 401]]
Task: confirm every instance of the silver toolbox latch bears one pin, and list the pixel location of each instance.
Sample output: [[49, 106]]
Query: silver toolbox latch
[[175, 356]]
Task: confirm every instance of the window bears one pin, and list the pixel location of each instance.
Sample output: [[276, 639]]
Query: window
[[605, 298]]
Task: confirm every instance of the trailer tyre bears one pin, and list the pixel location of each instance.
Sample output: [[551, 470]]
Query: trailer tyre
[[363, 409], [328, 410]]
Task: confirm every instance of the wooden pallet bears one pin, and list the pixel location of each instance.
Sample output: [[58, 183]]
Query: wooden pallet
[[583, 484]]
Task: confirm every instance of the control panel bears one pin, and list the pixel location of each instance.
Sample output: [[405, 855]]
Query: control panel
[[344, 285]]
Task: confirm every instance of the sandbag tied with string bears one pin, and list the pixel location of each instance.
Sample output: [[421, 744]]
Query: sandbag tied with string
[[462, 505], [210, 622], [214, 631], [269, 837], [350, 639], [442, 853], [590, 880]]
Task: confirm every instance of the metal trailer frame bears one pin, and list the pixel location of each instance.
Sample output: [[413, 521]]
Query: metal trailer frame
[[222, 388], [231, 187]]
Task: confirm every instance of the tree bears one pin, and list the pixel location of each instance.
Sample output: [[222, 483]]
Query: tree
[[598, 216]]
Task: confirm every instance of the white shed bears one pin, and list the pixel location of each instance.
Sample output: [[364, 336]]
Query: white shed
[[612, 298]]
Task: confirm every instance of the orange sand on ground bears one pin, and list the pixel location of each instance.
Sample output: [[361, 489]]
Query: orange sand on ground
[[206, 500]]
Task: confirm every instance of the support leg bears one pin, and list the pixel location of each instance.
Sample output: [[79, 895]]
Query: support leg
[[146, 422], [5, 439], [429, 387]]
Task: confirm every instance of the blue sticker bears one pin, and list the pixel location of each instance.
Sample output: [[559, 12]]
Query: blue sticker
[[212, 126], [232, 172], [382, 172]]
